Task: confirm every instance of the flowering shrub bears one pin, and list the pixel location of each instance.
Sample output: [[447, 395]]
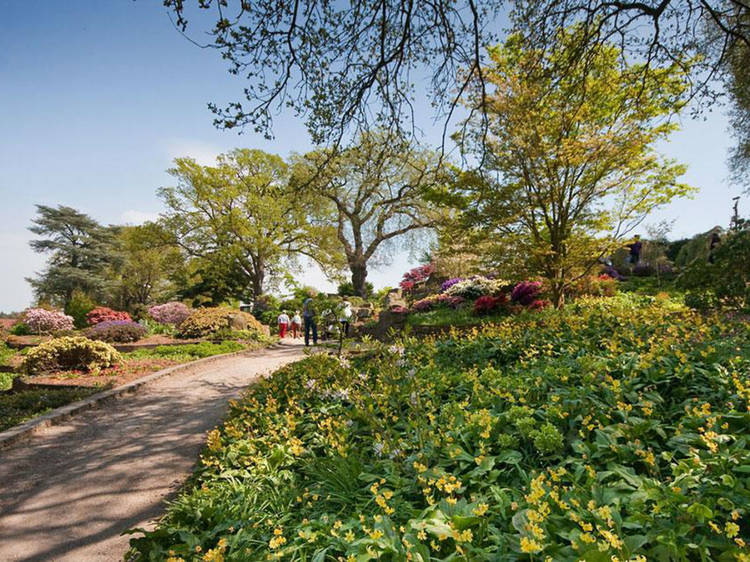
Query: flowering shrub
[[488, 303], [104, 314], [119, 331], [68, 353], [416, 276], [539, 304], [398, 309], [169, 313], [449, 283], [564, 435], [597, 286], [476, 287], [526, 292], [212, 322], [433, 301], [41, 320]]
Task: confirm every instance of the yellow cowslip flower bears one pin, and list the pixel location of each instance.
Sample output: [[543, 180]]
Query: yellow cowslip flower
[[731, 529], [421, 535], [530, 545], [349, 536], [376, 534], [481, 509]]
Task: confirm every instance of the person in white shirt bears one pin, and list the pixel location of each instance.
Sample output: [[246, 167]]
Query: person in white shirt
[[296, 324], [283, 323], [346, 316]]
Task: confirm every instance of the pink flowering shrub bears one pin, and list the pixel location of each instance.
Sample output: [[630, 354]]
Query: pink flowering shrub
[[539, 304], [169, 313], [104, 314], [41, 320], [434, 301], [416, 276]]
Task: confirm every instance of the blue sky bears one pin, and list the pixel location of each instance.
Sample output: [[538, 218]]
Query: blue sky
[[98, 96]]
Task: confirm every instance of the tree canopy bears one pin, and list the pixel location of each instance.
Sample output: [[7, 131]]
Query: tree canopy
[[243, 212], [570, 165], [80, 251], [376, 192]]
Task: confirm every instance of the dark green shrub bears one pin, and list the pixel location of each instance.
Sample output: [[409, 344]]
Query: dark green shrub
[[78, 307], [20, 329], [701, 300]]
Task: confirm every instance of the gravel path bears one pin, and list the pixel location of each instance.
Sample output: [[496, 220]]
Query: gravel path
[[71, 490]]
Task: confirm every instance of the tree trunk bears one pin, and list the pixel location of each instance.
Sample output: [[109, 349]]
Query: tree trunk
[[359, 278], [258, 277], [558, 294]]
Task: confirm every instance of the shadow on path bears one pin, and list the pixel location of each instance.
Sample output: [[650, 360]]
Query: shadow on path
[[70, 491]]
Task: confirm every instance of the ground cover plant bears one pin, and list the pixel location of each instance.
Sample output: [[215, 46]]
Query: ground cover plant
[[615, 429], [19, 407]]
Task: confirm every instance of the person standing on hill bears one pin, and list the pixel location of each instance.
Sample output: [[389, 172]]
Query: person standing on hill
[[296, 324], [283, 322], [346, 316], [308, 314], [713, 244], [635, 250]]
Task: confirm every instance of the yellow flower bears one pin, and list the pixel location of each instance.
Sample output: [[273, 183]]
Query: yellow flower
[[530, 545], [481, 509]]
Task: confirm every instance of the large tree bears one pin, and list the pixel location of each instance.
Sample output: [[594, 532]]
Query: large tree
[[341, 64], [80, 252], [377, 193], [146, 271], [243, 212], [570, 166]]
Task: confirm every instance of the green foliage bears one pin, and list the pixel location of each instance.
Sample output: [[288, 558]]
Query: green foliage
[[80, 251], [22, 406], [21, 329], [346, 289], [728, 277], [213, 322], [242, 211], [79, 305], [70, 353], [188, 352], [541, 192], [612, 428]]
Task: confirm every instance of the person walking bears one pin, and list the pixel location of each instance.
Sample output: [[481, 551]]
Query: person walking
[[283, 322], [308, 315], [635, 250], [346, 316], [713, 244], [296, 324]]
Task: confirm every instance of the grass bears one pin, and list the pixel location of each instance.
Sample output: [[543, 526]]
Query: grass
[[449, 317], [651, 286]]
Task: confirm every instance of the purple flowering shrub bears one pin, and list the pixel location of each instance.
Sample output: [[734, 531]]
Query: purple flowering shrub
[[526, 292], [173, 313], [41, 320], [116, 331], [449, 283]]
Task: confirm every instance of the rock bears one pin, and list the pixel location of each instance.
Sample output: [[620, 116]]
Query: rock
[[395, 298], [362, 312]]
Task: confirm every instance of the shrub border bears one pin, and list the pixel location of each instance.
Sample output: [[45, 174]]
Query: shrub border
[[63, 413]]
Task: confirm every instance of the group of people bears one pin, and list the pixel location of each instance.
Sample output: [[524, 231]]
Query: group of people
[[309, 318]]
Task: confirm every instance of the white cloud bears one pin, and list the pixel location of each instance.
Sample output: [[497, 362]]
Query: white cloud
[[202, 152], [135, 217]]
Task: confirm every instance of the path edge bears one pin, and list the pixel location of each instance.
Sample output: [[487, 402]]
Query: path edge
[[63, 413]]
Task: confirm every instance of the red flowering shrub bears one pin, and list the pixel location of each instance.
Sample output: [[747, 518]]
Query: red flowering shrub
[[488, 303], [104, 314], [434, 301], [539, 304], [416, 276]]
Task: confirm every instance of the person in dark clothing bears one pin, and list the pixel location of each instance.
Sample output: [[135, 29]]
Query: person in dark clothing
[[715, 241], [635, 250], [308, 315]]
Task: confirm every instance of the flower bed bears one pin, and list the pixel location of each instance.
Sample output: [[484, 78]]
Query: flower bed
[[562, 435]]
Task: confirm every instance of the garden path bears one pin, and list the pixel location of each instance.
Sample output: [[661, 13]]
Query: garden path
[[71, 490]]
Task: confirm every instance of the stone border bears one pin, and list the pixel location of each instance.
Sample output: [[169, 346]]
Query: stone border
[[31, 427]]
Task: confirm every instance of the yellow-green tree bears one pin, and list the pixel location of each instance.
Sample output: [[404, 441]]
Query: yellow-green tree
[[242, 212], [568, 159]]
